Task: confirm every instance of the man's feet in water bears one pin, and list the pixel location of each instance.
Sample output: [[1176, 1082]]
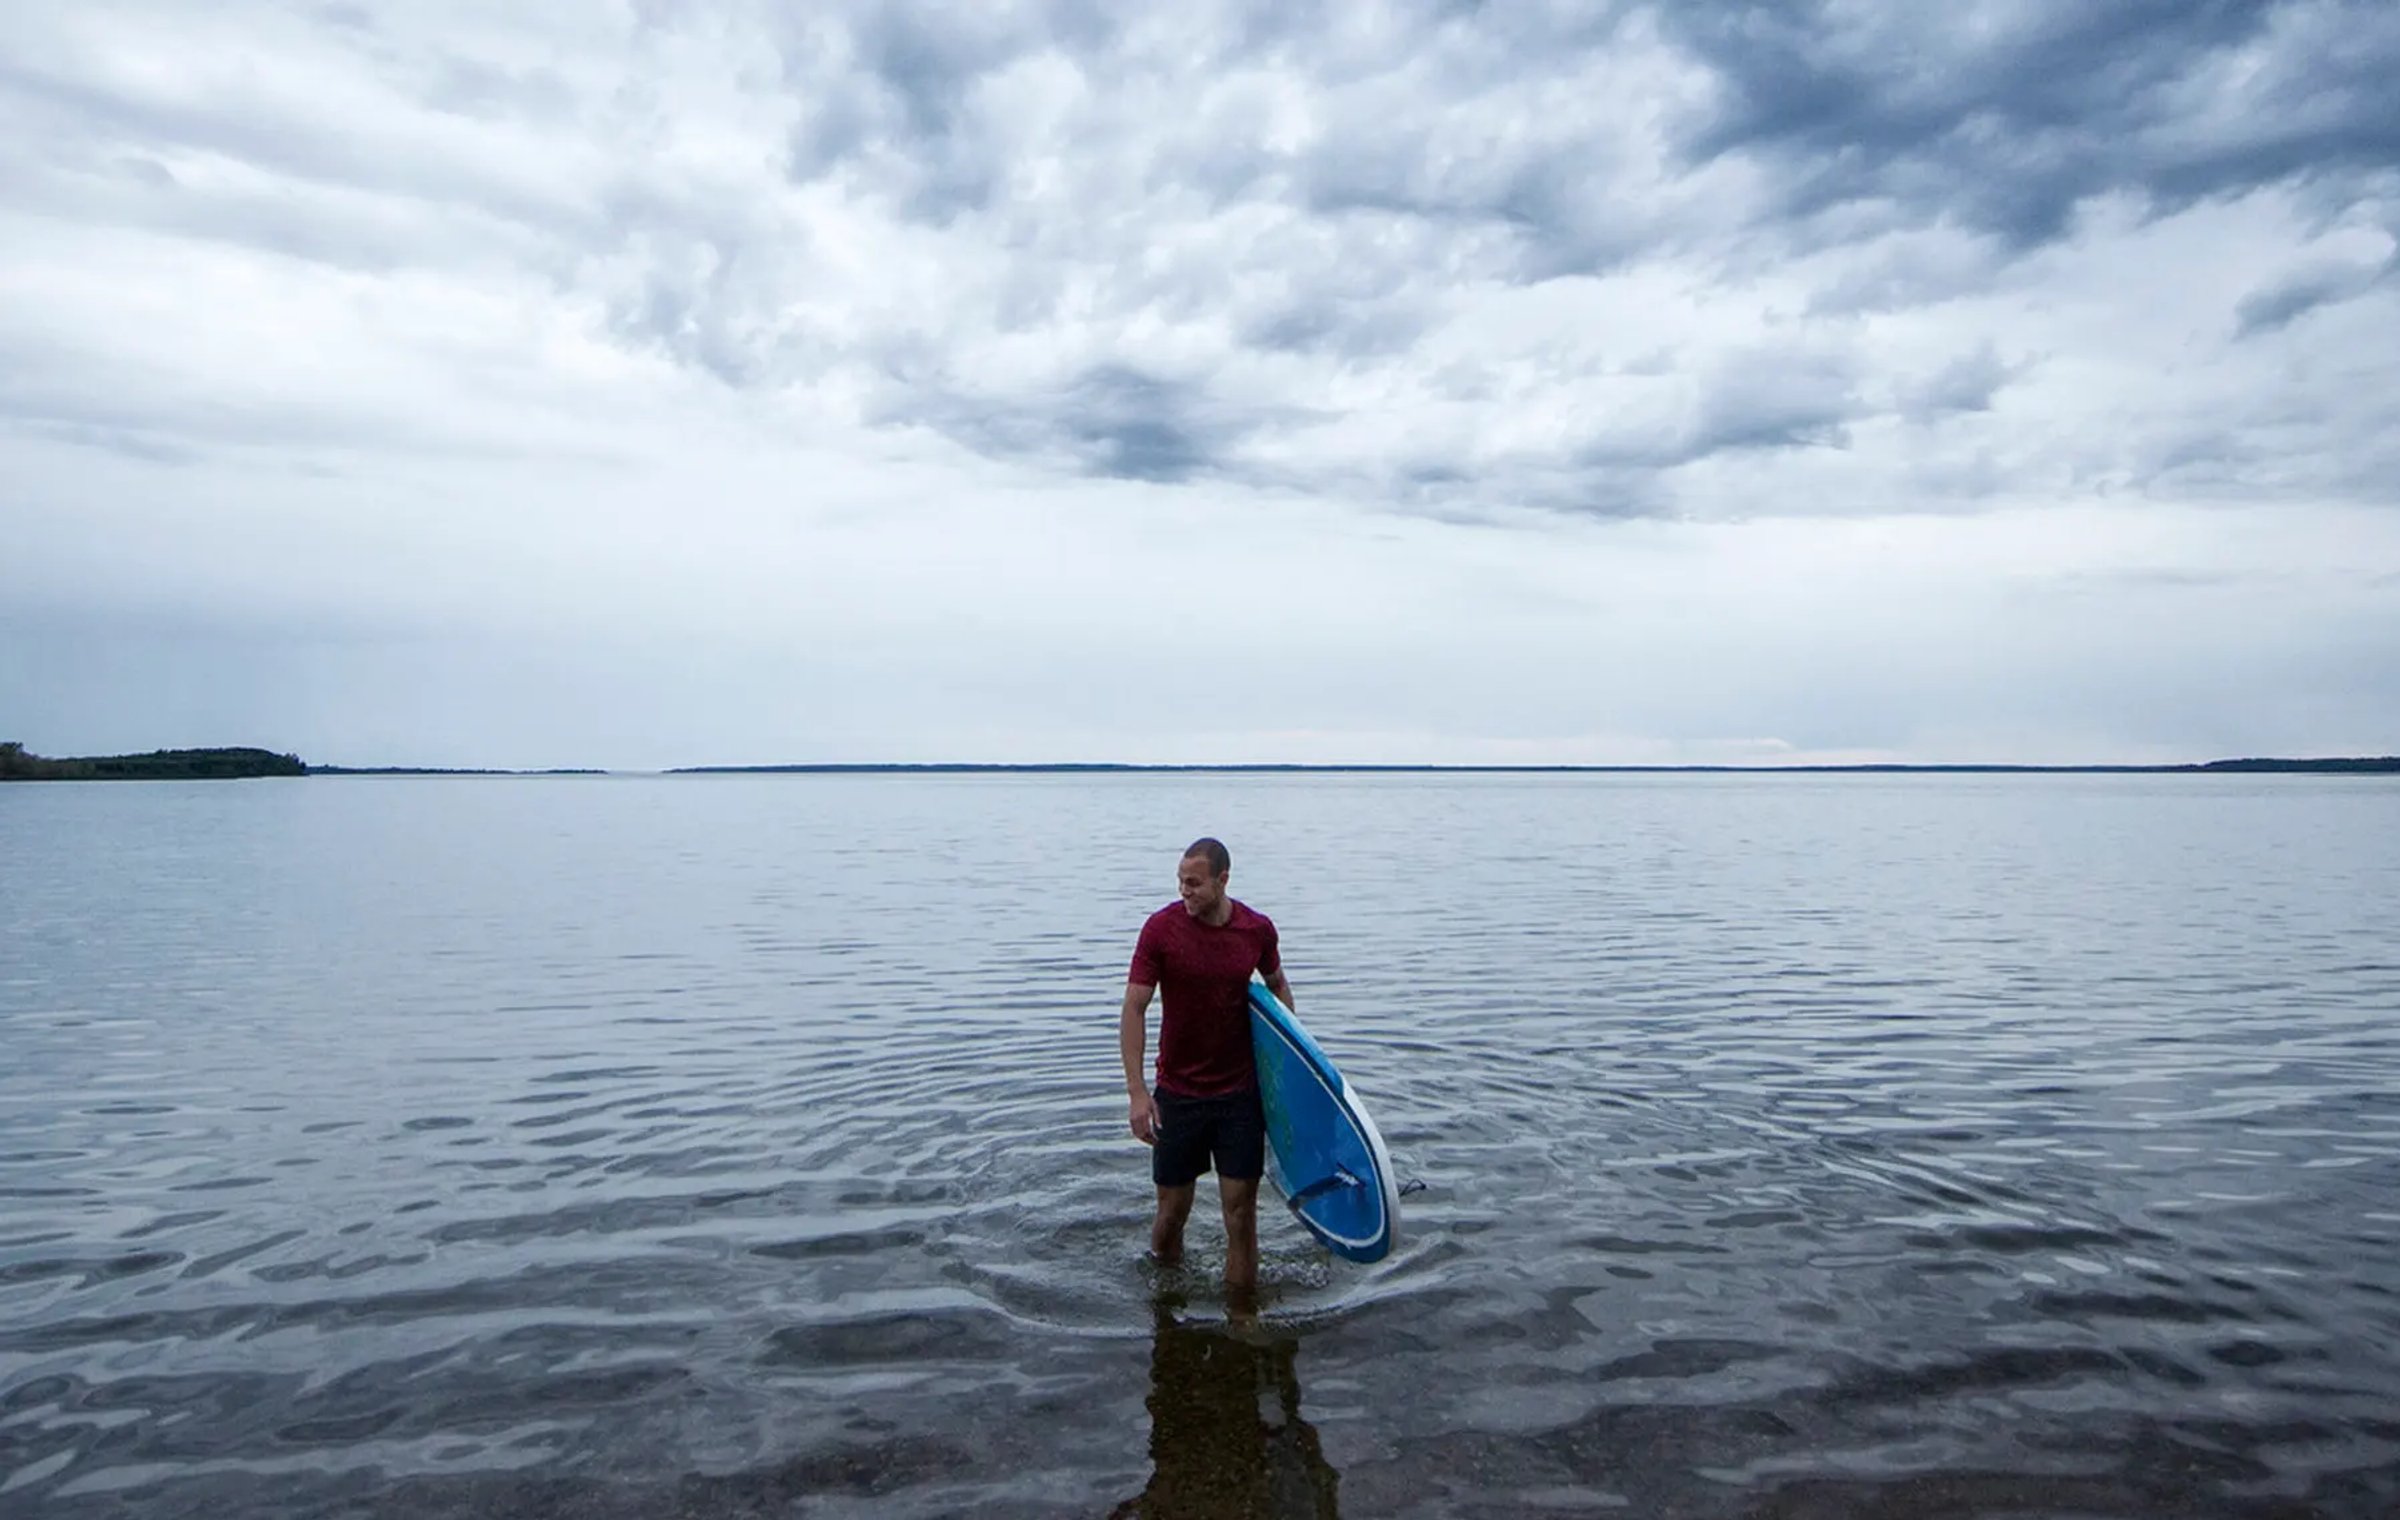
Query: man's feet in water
[[1241, 1309]]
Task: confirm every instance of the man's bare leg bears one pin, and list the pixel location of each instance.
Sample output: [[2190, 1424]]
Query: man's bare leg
[[1240, 1202], [1166, 1231]]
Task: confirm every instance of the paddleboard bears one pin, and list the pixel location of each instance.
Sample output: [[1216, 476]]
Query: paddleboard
[[1323, 1152]]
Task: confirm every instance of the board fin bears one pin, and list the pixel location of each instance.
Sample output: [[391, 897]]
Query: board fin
[[1341, 1178]]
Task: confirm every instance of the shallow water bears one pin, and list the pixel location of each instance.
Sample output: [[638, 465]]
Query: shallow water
[[1794, 1146]]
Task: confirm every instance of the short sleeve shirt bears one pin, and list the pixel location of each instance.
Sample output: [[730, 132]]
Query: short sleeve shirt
[[1202, 972]]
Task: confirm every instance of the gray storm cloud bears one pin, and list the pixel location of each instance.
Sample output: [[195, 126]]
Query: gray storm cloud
[[412, 329], [1223, 245]]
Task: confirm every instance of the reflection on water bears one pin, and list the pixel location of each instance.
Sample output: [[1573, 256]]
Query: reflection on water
[[619, 1147], [1227, 1440]]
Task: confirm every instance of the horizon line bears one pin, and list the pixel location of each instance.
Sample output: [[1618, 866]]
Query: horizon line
[[1535, 767], [2371, 764]]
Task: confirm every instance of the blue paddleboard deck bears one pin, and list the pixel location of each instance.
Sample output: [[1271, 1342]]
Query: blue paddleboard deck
[[1323, 1152]]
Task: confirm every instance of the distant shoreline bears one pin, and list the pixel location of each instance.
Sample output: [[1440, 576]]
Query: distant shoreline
[[449, 770], [16, 764], [234, 764], [2371, 765]]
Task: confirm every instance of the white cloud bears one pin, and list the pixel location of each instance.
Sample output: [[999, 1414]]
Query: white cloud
[[738, 384]]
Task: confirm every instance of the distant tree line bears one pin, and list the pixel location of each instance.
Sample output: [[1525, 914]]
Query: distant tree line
[[158, 765], [2374, 765]]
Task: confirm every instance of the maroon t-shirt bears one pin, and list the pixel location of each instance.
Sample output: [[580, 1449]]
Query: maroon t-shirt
[[1202, 972]]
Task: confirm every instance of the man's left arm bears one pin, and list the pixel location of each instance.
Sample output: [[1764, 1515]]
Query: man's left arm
[[1270, 966], [1278, 983]]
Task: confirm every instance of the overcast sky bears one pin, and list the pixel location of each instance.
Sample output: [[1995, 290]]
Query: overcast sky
[[666, 383]]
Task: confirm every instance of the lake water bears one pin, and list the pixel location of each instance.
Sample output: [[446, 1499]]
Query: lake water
[[642, 1146]]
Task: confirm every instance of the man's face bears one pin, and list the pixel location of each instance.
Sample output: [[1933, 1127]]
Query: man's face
[[1202, 888]]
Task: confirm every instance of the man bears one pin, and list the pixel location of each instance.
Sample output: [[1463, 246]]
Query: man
[[1200, 952]]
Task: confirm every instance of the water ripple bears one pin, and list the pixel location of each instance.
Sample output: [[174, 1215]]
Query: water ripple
[[644, 1146]]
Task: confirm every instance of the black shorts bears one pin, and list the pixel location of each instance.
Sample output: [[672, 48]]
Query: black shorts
[[1194, 1133]]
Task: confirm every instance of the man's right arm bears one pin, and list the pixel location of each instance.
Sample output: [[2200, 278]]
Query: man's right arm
[[1132, 1037]]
